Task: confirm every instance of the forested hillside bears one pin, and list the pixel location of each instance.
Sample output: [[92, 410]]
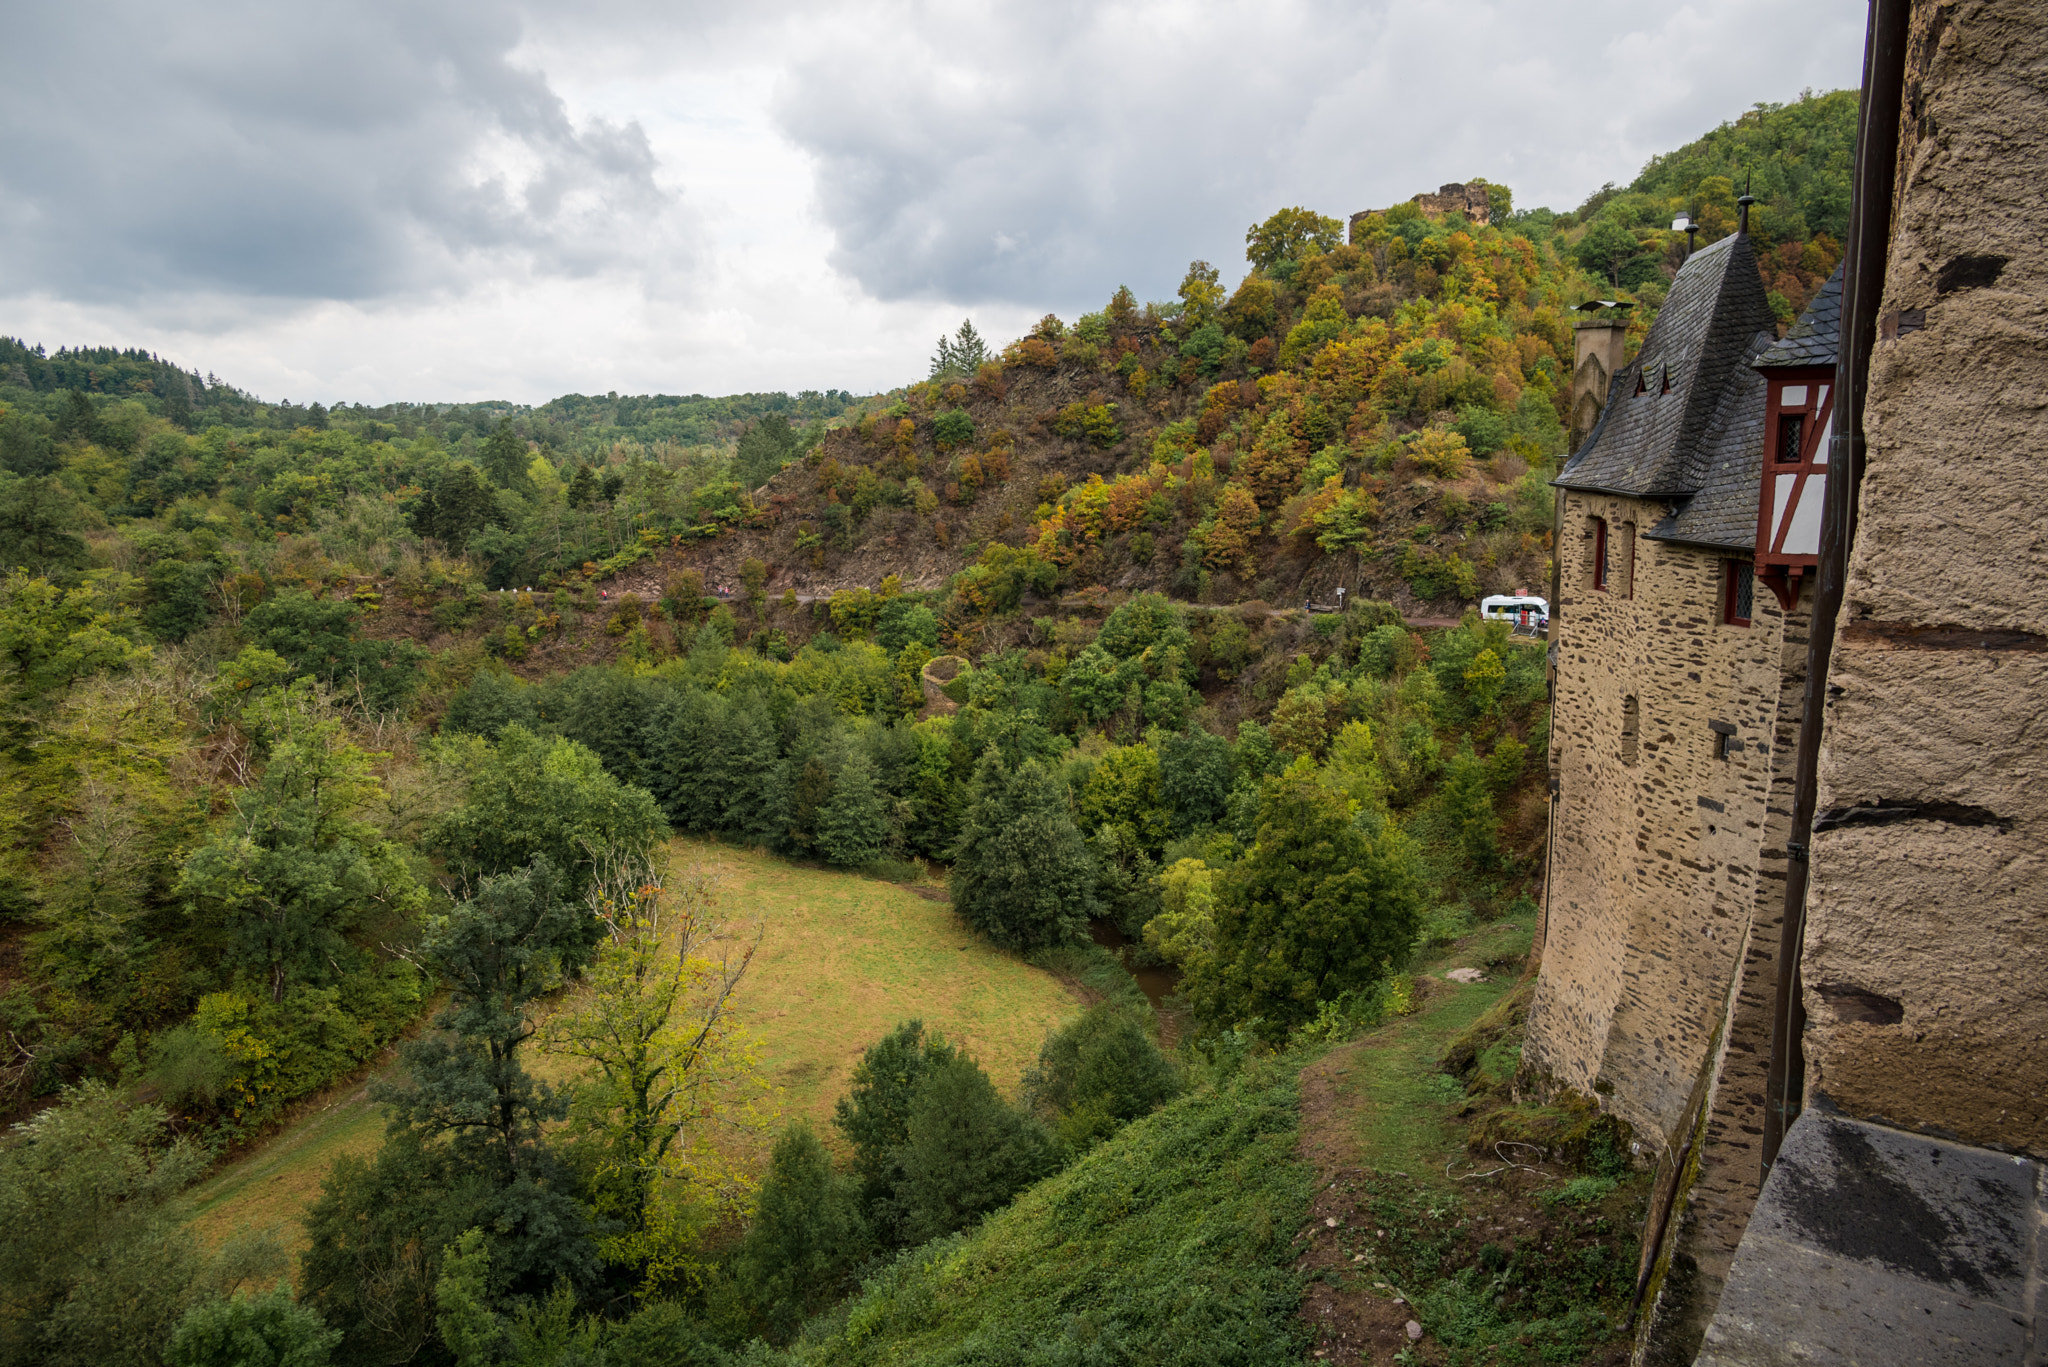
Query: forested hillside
[[317, 717]]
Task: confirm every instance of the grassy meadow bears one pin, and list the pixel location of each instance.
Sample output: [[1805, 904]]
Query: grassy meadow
[[842, 960]]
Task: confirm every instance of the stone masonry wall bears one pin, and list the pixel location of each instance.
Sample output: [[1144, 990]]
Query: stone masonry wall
[[1925, 964], [1710, 1215], [1655, 873]]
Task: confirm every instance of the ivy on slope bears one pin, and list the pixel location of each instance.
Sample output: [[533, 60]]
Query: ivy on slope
[[1169, 1244]]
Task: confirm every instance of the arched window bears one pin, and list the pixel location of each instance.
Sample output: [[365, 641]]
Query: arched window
[[1597, 533], [1631, 728], [1625, 560]]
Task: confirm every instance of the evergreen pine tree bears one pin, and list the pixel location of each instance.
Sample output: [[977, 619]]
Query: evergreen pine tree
[[582, 487], [806, 1235], [968, 1152], [874, 1115], [461, 505], [854, 823], [961, 354], [763, 450], [504, 456], [1022, 874]]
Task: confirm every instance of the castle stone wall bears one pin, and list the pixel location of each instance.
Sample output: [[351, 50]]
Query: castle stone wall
[[1925, 965], [1656, 869]]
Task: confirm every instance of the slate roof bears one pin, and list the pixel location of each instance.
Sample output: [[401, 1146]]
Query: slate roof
[[1730, 465], [1813, 339], [1649, 445]]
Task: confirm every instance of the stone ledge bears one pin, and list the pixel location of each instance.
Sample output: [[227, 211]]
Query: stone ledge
[[1872, 1246]]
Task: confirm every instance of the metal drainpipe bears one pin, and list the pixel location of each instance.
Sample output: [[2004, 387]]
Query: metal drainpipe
[[1870, 214]]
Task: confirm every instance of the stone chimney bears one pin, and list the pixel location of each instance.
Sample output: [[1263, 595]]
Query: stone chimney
[[1597, 352]]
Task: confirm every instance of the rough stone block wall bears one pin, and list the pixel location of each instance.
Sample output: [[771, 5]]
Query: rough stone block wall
[[1925, 963], [1710, 1216], [1655, 874]]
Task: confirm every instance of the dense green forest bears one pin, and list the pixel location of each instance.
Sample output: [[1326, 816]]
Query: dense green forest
[[325, 724]]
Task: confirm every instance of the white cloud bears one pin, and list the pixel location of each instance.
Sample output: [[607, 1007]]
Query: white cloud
[[456, 199]]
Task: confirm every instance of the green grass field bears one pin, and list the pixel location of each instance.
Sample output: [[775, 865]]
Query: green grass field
[[843, 959]]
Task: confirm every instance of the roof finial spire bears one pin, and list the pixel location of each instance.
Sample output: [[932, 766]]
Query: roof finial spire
[[1742, 208]]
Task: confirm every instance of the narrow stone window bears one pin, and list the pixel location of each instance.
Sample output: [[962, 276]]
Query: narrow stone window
[[1725, 743], [1738, 598], [1625, 560], [1600, 553], [1631, 728]]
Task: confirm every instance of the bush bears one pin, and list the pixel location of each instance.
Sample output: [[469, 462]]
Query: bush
[[968, 1153], [1440, 453], [1098, 1074], [952, 427], [188, 1070], [1094, 423], [1483, 430], [271, 1330]]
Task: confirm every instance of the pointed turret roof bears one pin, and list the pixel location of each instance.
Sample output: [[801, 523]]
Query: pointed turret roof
[[1722, 512], [1650, 441]]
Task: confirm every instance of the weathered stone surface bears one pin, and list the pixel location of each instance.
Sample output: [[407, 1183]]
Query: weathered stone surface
[[1656, 861], [1870, 1246], [1926, 959], [1955, 497]]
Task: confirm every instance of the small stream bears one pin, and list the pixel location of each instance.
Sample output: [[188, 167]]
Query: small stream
[[1157, 983]]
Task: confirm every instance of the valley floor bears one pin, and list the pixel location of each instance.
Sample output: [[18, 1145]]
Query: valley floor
[[843, 959]]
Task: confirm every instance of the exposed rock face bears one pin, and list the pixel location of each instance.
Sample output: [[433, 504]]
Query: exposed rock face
[[1469, 200]]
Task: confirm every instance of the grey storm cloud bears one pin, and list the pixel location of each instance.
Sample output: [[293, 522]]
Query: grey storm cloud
[[1046, 153], [299, 151]]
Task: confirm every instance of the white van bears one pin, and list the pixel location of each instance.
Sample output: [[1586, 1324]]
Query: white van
[[1520, 610]]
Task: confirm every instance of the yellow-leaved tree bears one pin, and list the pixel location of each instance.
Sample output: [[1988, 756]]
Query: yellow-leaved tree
[[674, 1080]]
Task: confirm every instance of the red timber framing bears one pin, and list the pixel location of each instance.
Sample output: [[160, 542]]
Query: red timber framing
[[1797, 425]]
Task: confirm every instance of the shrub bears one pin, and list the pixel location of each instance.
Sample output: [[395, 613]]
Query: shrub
[[968, 1153], [244, 1330], [625, 616], [1098, 1074], [1094, 423], [952, 427], [1441, 453], [1484, 430]]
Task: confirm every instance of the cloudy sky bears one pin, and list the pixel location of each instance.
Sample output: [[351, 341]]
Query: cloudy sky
[[376, 200]]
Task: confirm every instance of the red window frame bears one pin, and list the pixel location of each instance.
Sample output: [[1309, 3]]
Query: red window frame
[[1600, 554], [1736, 577]]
